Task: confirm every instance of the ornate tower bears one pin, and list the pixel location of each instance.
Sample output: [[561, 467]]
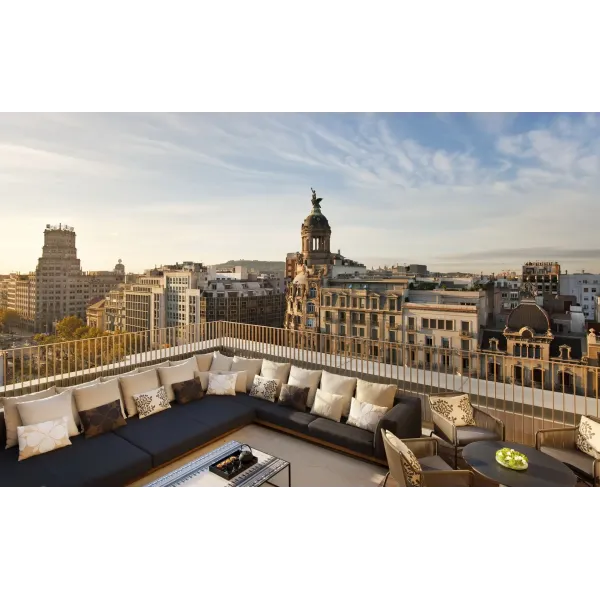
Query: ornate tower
[[316, 236]]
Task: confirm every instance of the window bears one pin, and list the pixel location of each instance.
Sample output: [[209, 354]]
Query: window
[[362, 332], [327, 328], [354, 332], [464, 326], [327, 300], [354, 302], [425, 323], [393, 303], [449, 325], [342, 330], [411, 338], [374, 303], [310, 322], [411, 323], [494, 345], [465, 364], [464, 345], [358, 348], [310, 307], [586, 290], [362, 302], [312, 292], [392, 321], [445, 343], [392, 336], [374, 334], [342, 301], [343, 317], [428, 340]]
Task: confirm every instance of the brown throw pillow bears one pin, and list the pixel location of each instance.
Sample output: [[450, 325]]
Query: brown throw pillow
[[186, 391], [294, 397], [102, 419]]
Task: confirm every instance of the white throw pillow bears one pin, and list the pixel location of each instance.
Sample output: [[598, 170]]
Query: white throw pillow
[[305, 378], [170, 375], [457, 409], [49, 409], [204, 361], [43, 437], [329, 406], [338, 384], [273, 370], [265, 388], [240, 382], [139, 383], [151, 402], [380, 394], [588, 437], [220, 362], [99, 394], [221, 384], [12, 420], [365, 415], [252, 366]]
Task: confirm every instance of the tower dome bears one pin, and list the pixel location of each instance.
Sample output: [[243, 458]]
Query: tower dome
[[316, 235], [529, 314]]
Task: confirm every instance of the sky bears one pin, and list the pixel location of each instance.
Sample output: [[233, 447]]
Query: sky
[[472, 192]]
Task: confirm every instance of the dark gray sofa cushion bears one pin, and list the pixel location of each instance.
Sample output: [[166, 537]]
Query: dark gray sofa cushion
[[342, 435], [271, 412], [105, 460], [219, 414], [166, 435], [403, 420]]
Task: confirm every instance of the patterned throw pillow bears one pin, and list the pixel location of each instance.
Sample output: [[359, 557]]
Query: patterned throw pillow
[[221, 384], [365, 415], [588, 437], [328, 406], [102, 419], [457, 409], [43, 437], [265, 388], [294, 397], [151, 402], [186, 391], [410, 464]]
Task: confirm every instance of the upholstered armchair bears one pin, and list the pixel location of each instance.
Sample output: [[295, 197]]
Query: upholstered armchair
[[415, 463], [484, 428], [562, 445]]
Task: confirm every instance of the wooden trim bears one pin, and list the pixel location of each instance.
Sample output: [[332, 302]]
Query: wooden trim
[[318, 442]]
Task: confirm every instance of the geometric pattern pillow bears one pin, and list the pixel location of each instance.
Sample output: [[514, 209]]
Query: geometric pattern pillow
[[410, 464], [588, 437], [102, 419], [221, 384], [365, 415], [42, 437], [151, 402], [186, 391], [457, 409], [265, 388], [295, 397]]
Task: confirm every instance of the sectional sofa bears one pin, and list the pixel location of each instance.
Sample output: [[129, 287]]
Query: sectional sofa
[[143, 445]]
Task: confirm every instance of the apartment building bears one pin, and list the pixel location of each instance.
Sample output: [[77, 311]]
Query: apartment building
[[585, 287], [58, 288], [545, 276]]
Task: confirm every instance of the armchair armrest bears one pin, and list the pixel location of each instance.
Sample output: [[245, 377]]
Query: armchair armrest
[[444, 428], [486, 421], [557, 438], [448, 478], [2, 429], [403, 420], [422, 447]]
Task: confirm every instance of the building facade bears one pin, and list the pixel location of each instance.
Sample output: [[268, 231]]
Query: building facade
[[586, 289], [544, 275]]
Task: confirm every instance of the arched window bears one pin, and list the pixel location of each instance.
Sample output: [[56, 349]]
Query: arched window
[[312, 293], [310, 307], [494, 345]]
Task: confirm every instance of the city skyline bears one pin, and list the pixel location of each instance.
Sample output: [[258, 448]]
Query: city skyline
[[470, 192]]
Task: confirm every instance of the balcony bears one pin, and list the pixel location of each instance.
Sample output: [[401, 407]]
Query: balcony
[[465, 333], [415, 371]]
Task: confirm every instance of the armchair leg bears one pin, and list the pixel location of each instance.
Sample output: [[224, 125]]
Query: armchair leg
[[384, 482]]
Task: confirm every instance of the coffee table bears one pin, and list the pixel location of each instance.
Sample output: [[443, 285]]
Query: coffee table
[[196, 473], [543, 471]]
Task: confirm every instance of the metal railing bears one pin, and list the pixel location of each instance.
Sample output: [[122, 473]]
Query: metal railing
[[503, 385]]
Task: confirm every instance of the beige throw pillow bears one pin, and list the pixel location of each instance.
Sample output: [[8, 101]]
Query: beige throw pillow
[[456, 409], [12, 420], [99, 394], [365, 415], [304, 378], [240, 382], [43, 437], [380, 394], [166, 363], [203, 376], [252, 366], [170, 375], [329, 406], [273, 370], [588, 437], [338, 384], [203, 361], [151, 402], [220, 362], [221, 384], [137, 384], [71, 389], [49, 409]]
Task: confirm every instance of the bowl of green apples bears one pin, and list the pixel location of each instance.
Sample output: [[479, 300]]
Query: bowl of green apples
[[511, 459]]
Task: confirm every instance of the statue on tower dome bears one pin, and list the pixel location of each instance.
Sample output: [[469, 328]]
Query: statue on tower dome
[[316, 202]]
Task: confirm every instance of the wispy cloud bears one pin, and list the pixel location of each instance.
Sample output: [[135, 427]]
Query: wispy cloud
[[414, 187]]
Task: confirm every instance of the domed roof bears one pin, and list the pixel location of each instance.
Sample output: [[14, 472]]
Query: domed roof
[[528, 314], [300, 279], [316, 220]]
